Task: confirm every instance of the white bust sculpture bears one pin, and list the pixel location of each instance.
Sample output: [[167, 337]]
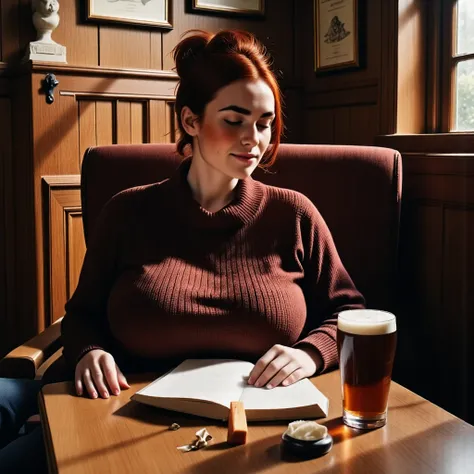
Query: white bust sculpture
[[45, 18]]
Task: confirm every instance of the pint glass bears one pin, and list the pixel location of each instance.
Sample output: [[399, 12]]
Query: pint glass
[[366, 341]]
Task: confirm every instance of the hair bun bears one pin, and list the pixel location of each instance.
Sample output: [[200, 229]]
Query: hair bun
[[188, 50]]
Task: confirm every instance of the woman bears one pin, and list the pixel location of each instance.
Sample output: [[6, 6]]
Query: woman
[[210, 263]]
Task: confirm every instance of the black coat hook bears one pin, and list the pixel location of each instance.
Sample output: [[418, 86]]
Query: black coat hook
[[49, 83]]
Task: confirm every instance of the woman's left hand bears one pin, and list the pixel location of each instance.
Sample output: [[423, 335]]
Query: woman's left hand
[[284, 365]]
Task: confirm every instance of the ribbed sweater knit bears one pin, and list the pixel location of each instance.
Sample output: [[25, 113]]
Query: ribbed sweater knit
[[164, 279]]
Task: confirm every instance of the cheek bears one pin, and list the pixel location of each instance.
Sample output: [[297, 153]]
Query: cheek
[[219, 135]]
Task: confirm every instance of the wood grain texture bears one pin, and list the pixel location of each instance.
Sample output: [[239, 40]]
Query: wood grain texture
[[81, 39], [118, 435], [87, 124], [27, 322], [7, 226], [137, 122], [436, 281], [123, 122], [9, 38], [339, 95], [156, 119], [411, 66], [125, 47], [65, 241], [75, 248], [104, 123], [276, 31]]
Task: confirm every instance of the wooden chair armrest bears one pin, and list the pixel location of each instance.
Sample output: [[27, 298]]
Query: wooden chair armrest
[[25, 360]]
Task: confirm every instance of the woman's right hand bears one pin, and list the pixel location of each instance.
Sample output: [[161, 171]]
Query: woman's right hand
[[99, 375]]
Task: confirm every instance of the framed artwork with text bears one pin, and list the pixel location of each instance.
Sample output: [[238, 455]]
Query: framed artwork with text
[[336, 35]]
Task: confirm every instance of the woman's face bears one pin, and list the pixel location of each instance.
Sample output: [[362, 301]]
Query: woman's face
[[235, 130]]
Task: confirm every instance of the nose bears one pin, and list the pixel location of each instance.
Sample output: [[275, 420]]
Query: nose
[[250, 136]]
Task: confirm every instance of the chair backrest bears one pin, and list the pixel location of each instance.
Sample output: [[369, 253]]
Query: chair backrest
[[357, 190]]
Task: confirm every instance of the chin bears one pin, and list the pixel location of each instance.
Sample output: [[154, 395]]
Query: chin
[[243, 174]]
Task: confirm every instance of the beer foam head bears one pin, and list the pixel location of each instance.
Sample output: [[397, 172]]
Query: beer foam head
[[366, 322]]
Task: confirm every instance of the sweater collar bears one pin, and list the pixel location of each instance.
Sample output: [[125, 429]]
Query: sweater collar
[[239, 212]]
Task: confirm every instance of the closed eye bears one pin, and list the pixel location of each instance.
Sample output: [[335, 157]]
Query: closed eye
[[234, 124], [239, 122]]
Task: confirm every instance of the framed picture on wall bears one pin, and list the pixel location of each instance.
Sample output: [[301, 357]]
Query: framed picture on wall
[[231, 7], [336, 35], [154, 13]]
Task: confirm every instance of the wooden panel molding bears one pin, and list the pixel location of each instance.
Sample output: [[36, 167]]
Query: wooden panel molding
[[89, 110], [363, 95], [64, 241], [437, 279], [445, 143], [7, 230]]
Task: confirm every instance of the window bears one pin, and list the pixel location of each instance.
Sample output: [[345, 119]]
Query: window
[[458, 90], [463, 63]]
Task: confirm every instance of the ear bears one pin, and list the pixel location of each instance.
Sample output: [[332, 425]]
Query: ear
[[190, 121]]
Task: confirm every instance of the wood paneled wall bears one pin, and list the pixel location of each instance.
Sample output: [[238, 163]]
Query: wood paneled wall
[[89, 110], [117, 87], [343, 107], [6, 211], [385, 95], [436, 297], [437, 234]]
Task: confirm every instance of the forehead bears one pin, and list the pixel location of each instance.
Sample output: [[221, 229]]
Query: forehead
[[254, 95]]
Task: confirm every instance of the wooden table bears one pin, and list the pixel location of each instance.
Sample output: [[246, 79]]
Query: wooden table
[[121, 436]]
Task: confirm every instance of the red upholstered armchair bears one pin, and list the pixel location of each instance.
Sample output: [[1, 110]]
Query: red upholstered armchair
[[357, 190]]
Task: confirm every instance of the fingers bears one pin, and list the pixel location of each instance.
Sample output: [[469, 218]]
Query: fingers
[[109, 370], [282, 365], [268, 366], [261, 365], [89, 384], [121, 378], [98, 375], [99, 381], [284, 375], [78, 382]]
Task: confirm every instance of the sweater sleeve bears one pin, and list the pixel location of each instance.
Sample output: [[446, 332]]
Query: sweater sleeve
[[83, 327], [328, 288]]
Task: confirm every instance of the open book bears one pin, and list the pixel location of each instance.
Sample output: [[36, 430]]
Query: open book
[[205, 387]]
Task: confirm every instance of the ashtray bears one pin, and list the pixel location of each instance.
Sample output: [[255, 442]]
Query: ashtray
[[307, 448]]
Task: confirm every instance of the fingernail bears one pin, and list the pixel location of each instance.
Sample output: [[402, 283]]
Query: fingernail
[[105, 394], [94, 395], [258, 384], [116, 392], [285, 382], [269, 385], [250, 381]]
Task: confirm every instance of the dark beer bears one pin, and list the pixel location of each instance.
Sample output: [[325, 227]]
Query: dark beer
[[366, 341]]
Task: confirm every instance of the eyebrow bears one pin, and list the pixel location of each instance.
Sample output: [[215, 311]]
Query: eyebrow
[[241, 110]]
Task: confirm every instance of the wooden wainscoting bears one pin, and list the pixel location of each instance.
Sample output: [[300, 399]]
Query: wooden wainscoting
[[93, 106], [64, 240], [437, 278], [7, 231]]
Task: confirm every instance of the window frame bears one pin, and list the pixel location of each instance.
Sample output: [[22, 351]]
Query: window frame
[[448, 63]]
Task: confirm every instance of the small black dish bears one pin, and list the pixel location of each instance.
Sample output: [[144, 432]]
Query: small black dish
[[307, 448]]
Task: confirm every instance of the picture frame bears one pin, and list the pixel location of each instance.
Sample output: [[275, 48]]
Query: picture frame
[[151, 13], [336, 35], [248, 8]]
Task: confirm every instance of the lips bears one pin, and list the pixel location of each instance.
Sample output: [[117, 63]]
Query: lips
[[244, 156]]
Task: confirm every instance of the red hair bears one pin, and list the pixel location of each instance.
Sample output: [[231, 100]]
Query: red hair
[[206, 62]]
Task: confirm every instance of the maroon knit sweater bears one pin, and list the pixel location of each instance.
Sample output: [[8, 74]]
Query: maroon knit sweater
[[164, 279]]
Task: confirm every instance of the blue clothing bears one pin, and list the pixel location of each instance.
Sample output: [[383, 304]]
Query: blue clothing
[[24, 453]]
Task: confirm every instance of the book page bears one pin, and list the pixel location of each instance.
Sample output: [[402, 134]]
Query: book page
[[301, 393], [216, 380]]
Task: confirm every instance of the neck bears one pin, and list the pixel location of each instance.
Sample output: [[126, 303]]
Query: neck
[[210, 187]]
